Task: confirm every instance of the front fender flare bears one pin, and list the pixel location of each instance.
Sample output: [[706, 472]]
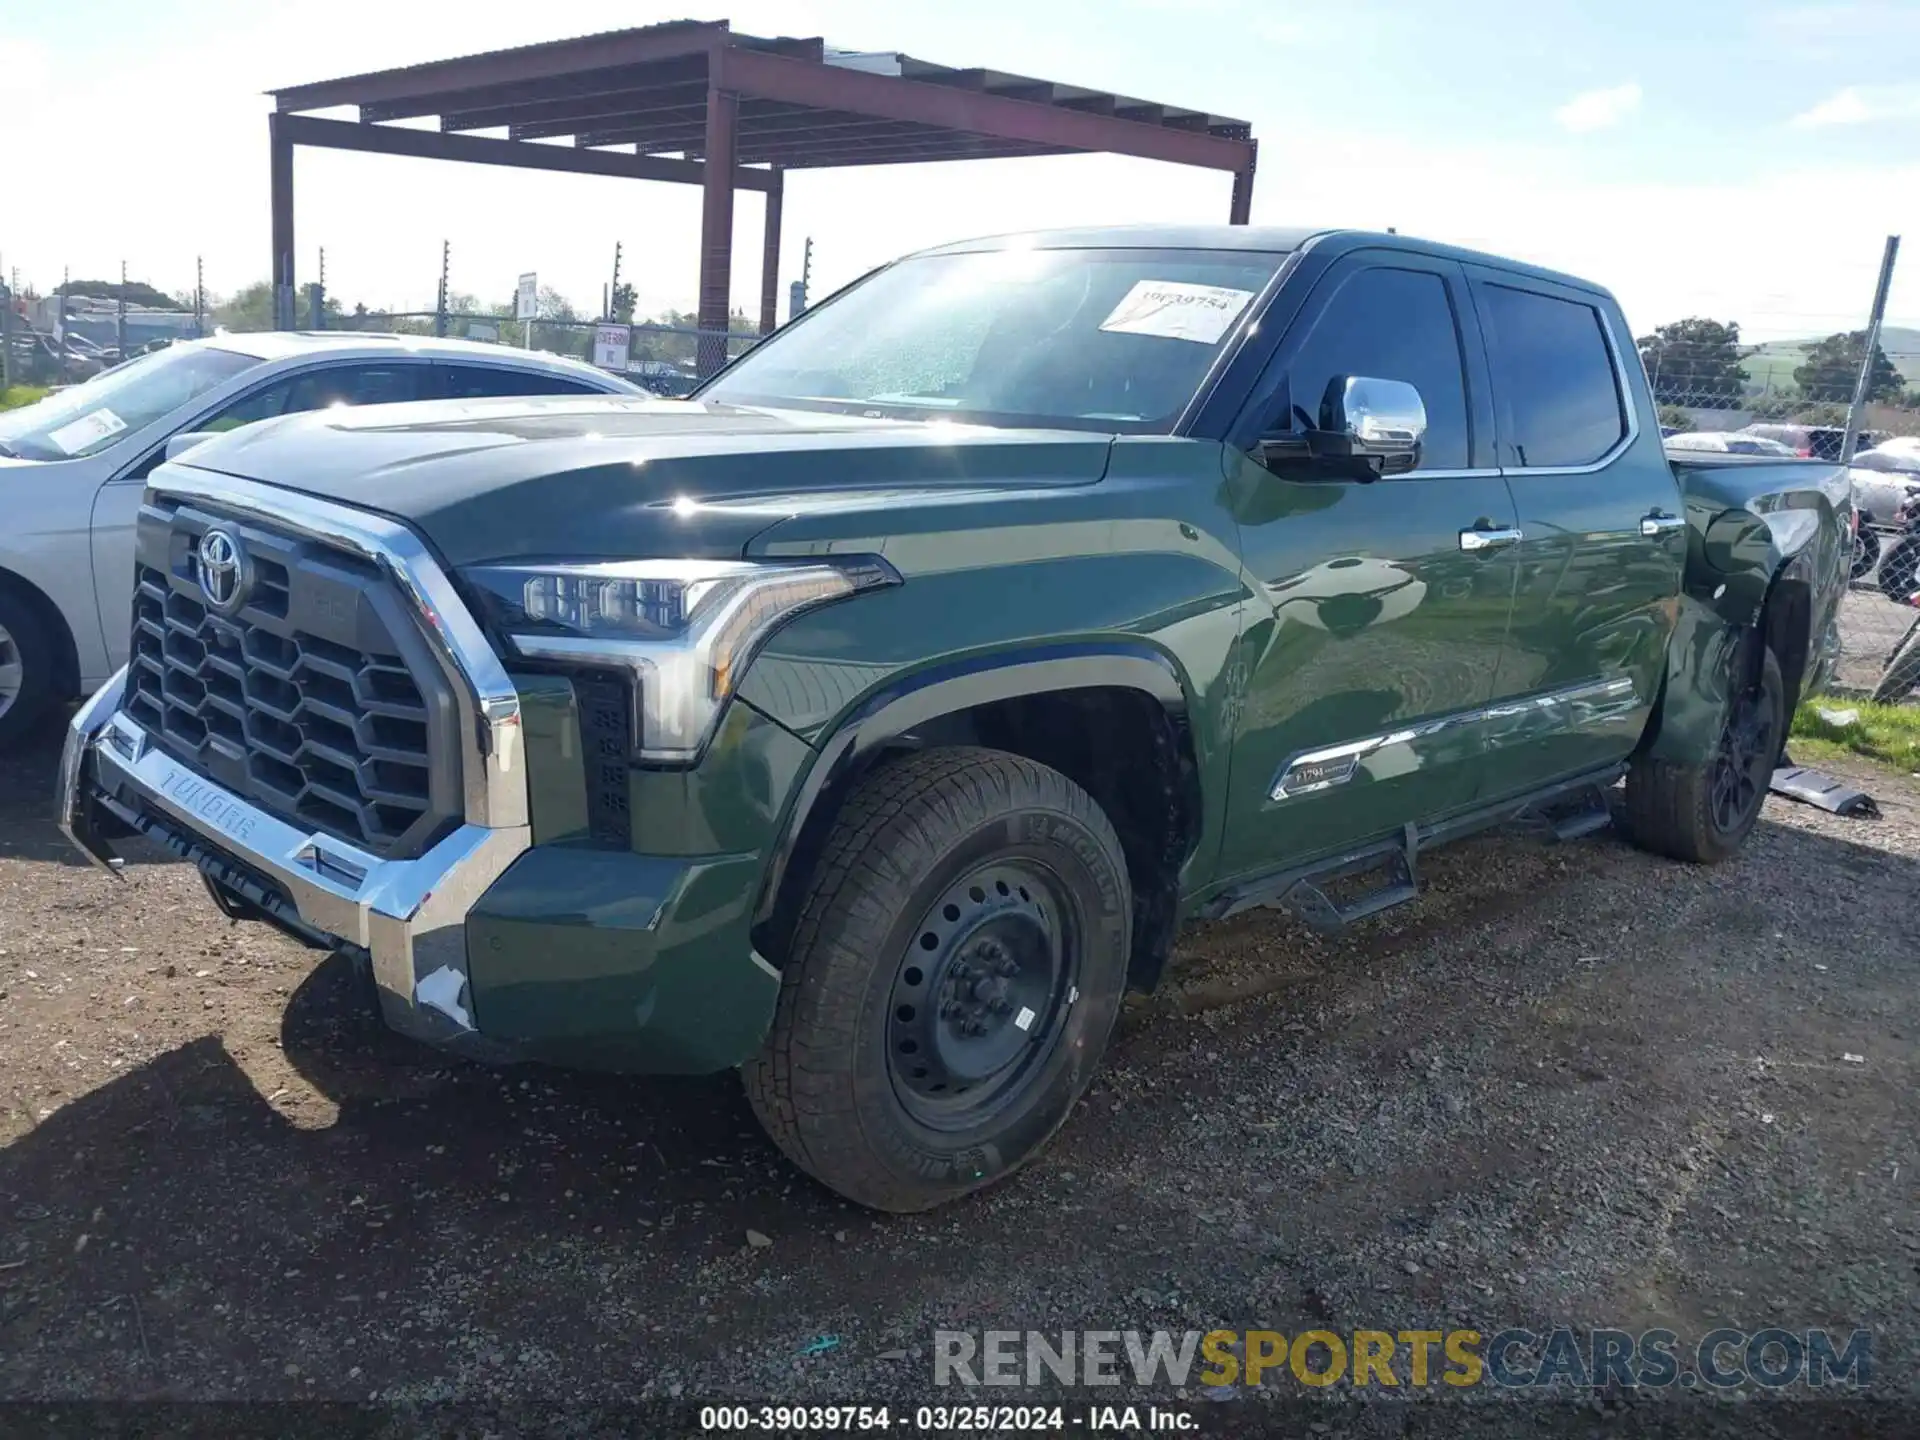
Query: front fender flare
[[913, 700]]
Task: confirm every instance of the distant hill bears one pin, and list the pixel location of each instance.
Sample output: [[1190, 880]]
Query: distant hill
[[1776, 360]]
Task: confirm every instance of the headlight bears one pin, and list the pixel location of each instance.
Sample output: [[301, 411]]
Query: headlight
[[684, 631]]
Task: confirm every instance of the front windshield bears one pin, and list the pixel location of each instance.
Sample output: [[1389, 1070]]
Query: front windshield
[[86, 419], [1085, 339]]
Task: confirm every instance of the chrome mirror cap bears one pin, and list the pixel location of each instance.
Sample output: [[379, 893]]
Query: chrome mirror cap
[[1384, 420]]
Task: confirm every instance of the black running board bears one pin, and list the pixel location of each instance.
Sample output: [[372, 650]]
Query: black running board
[[1560, 812]]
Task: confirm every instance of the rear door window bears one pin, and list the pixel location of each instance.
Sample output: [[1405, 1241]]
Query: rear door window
[[472, 382], [356, 385], [1555, 387]]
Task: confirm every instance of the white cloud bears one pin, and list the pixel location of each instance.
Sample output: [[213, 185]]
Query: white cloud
[[1598, 109], [1857, 106]]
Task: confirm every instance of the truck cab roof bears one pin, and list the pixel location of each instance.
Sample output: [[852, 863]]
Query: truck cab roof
[[1263, 239]]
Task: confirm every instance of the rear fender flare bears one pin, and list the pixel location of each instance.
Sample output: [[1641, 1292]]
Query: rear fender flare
[[911, 701]]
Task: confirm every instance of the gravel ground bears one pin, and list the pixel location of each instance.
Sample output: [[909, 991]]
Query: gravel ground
[[1571, 1085]]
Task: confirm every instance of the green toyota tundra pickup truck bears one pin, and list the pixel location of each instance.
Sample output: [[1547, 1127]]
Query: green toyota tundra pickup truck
[[869, 721]]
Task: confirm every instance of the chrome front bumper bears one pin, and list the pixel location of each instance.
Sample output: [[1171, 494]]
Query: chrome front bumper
[[408, 915]]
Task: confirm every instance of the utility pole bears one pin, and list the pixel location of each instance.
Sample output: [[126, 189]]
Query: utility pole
[[613, 290], [797, 292], [60, 312], [1863, 386], [120, 314], [199, 295], [440, 307]]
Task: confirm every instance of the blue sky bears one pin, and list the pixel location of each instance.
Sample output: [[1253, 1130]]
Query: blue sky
[[1743, 160]]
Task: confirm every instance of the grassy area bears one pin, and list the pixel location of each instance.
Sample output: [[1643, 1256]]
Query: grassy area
[[18, 395], [1886, 734]]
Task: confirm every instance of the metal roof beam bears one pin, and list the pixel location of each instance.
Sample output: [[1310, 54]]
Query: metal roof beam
[[798, 124], [482, 150], [829, 87], [633, 92], [926, 154]]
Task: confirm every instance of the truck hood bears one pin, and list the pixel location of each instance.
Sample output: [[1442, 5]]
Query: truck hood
[[602, 478]]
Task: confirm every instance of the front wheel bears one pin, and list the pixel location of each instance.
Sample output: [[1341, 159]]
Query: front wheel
[[1704, 812], [26, 670], [952, 980]]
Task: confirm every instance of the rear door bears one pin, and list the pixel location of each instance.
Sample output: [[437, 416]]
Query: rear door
[[1602, 541], [1382, 625]]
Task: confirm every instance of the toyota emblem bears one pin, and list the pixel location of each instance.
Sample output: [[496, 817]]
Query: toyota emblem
[[222, 568]]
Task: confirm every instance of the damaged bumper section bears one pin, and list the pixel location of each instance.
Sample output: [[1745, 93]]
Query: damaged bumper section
[[405, 918], [478, 940]]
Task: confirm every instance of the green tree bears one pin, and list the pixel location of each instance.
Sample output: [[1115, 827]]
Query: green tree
[[134, 292], [1832, 368], [1672, 417], [1695, 362], [623, 303]]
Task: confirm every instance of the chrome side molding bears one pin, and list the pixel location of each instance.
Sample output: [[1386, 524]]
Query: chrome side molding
[[1572, 707]]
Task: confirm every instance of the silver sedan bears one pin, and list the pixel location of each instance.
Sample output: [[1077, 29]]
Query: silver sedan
[[73, 466]]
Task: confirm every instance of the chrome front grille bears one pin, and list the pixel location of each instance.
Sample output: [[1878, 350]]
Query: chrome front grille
[[302, 695]]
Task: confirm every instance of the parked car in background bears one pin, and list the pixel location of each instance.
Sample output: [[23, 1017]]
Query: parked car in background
[[72, 467], [1723, 442], [1817, 442]]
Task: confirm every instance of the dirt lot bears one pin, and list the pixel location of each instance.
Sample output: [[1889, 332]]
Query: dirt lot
[[1571, 1085]]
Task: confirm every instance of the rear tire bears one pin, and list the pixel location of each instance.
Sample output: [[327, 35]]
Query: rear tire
[[1703, 813], [26, 669], [954, 974]]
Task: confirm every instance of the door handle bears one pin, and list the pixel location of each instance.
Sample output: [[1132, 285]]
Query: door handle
[[1659, 523], [1488, 539]]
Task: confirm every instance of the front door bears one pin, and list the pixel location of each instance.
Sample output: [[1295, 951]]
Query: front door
[[1380, 628], [1602, 544]]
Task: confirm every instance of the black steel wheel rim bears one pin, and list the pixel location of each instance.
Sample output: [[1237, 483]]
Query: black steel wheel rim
[[981, 994], [1743, 765]]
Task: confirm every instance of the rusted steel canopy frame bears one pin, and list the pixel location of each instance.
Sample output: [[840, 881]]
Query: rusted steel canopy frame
[[286, 131], [998, 124], [735, 73], [280, 205], [828, 87], [716, 227], [770, 256], [417, 89], [480, 150]]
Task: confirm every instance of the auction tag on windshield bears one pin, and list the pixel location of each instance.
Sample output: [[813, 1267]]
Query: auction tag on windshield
[[89, 429], [1177, 310]]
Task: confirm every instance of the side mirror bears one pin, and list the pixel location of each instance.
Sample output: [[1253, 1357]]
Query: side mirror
[[1384, 422], [180, 444], [1367, 428]]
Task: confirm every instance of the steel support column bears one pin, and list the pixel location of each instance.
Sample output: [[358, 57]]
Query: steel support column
[[716, 226], [770, 257], [1242, 206], [280, 200]]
